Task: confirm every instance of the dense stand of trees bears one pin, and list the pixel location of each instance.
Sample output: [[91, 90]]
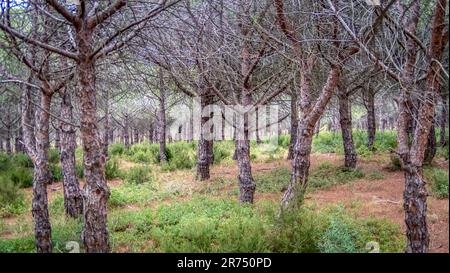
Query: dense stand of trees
[[92, 73]]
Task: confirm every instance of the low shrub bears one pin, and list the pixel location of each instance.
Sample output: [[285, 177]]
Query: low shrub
[[112, 168], [53, 156], [139, 175], [116, 149], [21, 160], [56, 171], [438, 179], [22, 177]]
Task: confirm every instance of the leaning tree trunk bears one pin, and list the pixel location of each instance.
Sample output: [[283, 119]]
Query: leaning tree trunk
[[42, 177], [345, 119], [73, 200], [371, 123], [162, 119], [293, 197], [96, 192], [294, 125]]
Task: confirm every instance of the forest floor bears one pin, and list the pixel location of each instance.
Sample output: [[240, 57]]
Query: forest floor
[[379, 198]]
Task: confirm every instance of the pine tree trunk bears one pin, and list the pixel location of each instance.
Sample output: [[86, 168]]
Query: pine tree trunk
[[126, 136], [162, 119], [415, 205], [42, 177], [204, 146], [96, 192], [371, 123], [294, 125], [345, 119], [73, 200], [443, 122], [430, 151]]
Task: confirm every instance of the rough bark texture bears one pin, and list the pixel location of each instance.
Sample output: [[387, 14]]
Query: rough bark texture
[[162, 119], [126, 130], [443, 123], [73, 200], [371, 119], [42, 177], [345, 119], [204, 148], [430, 151], [96, 191], [294, 124]]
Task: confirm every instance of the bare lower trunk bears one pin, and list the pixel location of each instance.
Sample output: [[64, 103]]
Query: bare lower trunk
[[95, 192], [371, 123], [443, 123], [126, 136], [162, 120], [73, 200], [415, 205], [247, 185], [204, 149], [293, 197], [345, 119], [430, 151], [294, 125], [136, 136], [42, 177]]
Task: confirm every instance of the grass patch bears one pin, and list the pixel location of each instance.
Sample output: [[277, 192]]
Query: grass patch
[[438, 180]]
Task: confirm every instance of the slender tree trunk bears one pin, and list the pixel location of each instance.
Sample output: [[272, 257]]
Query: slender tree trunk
[[371, 123], [443, 123], [204, 147], [19, 142], [42, 177], [96, 192], [345, 119], [106, 128], [430, 151], [126, 128], [73, 199], [136, 136], [57, 139], [294, 124], [162, 119], [8, 141]]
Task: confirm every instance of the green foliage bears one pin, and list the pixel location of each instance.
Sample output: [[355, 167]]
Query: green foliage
[[274, 181], [139, 175], [11, 199], [375, 176], [56, 171], [79, 168], [127, 194], [23, 177], [116, 149], [338, 238], [329, 142], [112, 168], [222, 151], [205, 225], [23, 245], [21, 160], [327, 175], [53, 156], [438, 178]]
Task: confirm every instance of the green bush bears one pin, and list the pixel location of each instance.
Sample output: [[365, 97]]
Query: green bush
[[274, 181], [79, 168], [11, 199], [56, 171], [222, 151], [116, 149], [112, 168], [4, 161], [139, 175], [22, 177], [327, 175], [338, 238], [21, 160], [53, 156], [438, 178]]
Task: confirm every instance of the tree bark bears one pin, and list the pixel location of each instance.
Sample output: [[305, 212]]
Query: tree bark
[[371, 123], [73, 200], [42, 177], [126, 128], [430, 151], [96, 191], [162, 118], [345, 119], [443, 123], [204, 148], [294, 124]]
